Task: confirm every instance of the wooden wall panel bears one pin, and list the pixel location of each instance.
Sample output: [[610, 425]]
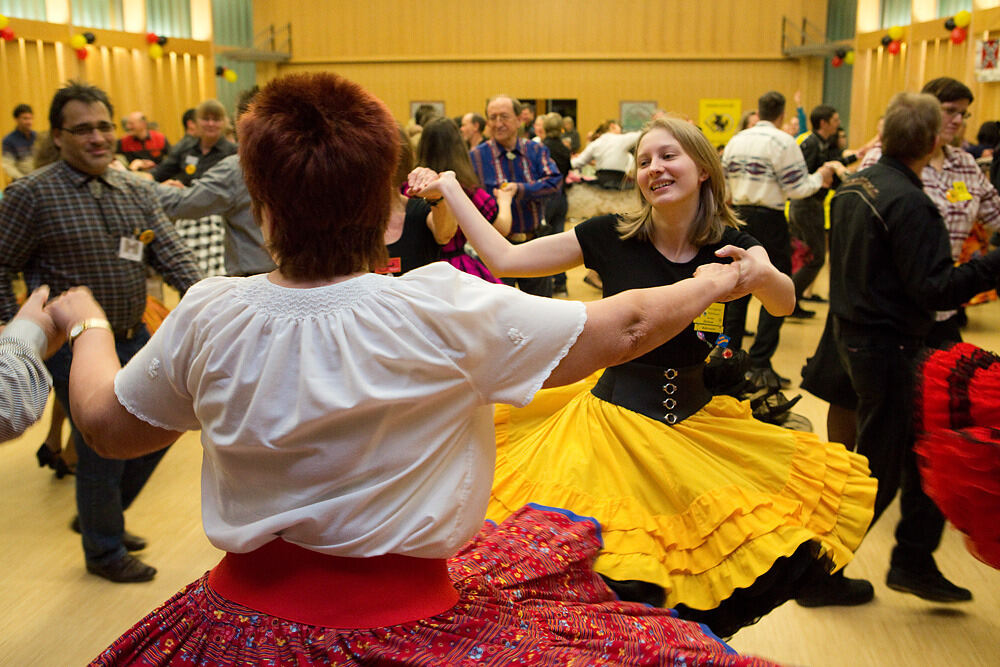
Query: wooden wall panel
[[928, 53], [326, 29], [598, 53], [35, 64]]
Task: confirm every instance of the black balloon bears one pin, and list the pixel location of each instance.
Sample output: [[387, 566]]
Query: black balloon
[[950, 24], [161, 40], [840, 53], [90, 37], [220, 70], [886, 40]]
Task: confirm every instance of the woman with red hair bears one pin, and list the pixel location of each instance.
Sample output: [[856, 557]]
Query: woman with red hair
[[347, 425]]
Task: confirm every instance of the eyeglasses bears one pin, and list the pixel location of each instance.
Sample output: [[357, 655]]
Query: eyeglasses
[[951, 112], [84, 130]]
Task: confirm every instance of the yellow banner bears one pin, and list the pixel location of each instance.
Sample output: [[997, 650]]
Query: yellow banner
[[719, 119]]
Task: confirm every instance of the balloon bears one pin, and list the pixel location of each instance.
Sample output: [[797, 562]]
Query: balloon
[[155, 51], [220, 70], [6, 34], [90, 37], [896, 33], [837, 61], [963, 19], [893, 47], [78, 41], [3, 21], [81, 54], [151, 38], [949, 25], [886, 40], [230, 76], [958, 35], [849, 58], [161, 40], [840, 53]]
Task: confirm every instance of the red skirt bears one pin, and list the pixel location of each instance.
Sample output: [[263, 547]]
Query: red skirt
[[526, 595], [958, 442]]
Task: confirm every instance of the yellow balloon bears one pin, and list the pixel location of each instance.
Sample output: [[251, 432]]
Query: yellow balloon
[[963, 19], [3, 21], [230, 76], [78, 41], [155, 51], [849, 58], [896, 33]]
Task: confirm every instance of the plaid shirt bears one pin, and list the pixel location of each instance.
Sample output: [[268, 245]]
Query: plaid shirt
[[64, 228], [531, 167], [959, 215]]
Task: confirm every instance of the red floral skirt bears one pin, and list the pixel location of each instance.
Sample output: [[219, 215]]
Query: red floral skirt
[[958, 442], [526, 595]]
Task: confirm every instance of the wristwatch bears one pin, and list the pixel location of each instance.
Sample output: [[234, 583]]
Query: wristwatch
[[92, 323]]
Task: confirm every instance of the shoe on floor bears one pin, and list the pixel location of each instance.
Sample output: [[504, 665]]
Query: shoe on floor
[[130, 541], [766, 378], [929, 585], [126, 570], [836, 590], [814, 298], [801, 313]]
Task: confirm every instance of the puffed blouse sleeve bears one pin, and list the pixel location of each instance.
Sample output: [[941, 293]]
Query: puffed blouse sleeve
[[154, 385], [506, 342]]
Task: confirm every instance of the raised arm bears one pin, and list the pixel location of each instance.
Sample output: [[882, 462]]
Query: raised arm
[[630, 324], [540, 257], [110, 429]]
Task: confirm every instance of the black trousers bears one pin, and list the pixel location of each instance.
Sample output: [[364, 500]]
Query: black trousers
[[806, 219], [770, 228], [881, 366]]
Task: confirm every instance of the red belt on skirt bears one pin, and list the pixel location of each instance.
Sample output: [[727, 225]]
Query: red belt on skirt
[[304, 586]]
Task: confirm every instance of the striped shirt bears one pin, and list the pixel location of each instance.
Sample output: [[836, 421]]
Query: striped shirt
[[764, 167], [65, 228], [24, 380], [530, 166]]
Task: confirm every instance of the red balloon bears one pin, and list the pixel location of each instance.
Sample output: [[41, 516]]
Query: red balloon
[[958, 35], [893, 47], [151, 37], [7, 34], [81, 54], [837, 61]]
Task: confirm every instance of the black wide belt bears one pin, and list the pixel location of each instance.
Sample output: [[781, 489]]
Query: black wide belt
[[668, 395]]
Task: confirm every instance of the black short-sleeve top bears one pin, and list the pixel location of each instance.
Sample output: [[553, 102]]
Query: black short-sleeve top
[[633, 263]]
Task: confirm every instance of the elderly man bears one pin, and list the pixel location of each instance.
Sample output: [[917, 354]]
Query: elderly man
[[18, 160], [472, 128], [80, 223], [142, 147], [523, 167], [890, 269]]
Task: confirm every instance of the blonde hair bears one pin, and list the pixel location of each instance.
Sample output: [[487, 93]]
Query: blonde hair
[[713, 214]]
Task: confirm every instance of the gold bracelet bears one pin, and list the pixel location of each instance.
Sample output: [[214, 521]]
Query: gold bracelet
[[92, 323]]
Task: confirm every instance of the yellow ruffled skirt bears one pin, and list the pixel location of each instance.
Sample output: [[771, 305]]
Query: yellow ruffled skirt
[[700, 508]]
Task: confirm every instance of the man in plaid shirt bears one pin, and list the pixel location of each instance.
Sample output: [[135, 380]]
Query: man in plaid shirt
[[78, 222]]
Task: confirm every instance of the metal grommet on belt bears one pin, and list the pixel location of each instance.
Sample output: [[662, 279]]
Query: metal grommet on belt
[[669, 388], [670, 418], [670, 404], [670, 373]]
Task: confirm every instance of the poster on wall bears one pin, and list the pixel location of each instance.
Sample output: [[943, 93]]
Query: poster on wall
[[635, 114], [719, 119], [987, 67]]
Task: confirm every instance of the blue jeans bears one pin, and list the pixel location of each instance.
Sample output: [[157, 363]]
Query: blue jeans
[[104, 487]]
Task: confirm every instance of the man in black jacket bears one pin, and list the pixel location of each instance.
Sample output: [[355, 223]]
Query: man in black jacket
[[890, 270]]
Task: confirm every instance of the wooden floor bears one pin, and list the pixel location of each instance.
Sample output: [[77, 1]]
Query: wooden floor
[[53, 613]]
